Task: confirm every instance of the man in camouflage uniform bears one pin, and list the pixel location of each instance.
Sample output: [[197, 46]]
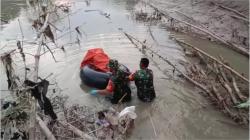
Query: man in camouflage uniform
[[118, 84], [144, 81]]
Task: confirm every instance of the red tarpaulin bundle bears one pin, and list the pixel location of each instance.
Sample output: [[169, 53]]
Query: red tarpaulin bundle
[[97, 58]]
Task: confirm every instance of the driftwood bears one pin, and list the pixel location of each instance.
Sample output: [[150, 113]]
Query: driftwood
[[240, 50], [214, 59]]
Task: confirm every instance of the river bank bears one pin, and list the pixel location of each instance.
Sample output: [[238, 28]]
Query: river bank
[[219, 17]]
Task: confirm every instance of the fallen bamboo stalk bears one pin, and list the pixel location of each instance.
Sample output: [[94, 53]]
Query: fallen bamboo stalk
[[229, 90], [164, 59], [232, 10], [223, 75], [195, 21], [45, 129], [240, 50], [77, 131], [237, 90], [241, 18], [216, 94], [214, 59]]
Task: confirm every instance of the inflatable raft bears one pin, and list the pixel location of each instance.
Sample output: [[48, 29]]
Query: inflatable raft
[[97, 79]]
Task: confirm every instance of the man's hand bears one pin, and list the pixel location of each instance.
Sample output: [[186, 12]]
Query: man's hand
[[94, 92]]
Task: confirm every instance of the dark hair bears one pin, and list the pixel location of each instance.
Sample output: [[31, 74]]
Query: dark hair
[[101, 115], [144, 62]]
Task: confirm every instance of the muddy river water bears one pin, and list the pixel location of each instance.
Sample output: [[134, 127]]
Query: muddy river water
[[176, 113]]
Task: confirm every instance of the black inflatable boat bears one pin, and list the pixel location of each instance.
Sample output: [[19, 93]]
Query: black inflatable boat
[[97, 79]]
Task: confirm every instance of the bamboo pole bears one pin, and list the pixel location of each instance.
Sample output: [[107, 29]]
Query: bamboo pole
[[34, 117], [214, 59]]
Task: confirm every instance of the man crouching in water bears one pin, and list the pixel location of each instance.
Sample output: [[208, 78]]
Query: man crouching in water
[[144, 81], [118, 84]]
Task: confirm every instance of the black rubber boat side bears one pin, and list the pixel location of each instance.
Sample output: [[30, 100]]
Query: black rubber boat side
[[97, 79]]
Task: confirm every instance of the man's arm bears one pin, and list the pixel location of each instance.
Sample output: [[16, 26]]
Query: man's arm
[[109, 89], [131, 77]]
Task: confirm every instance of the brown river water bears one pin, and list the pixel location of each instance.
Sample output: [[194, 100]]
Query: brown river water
[[176, 113]]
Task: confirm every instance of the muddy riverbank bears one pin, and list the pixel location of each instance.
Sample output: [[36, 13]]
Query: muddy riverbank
[[177, 113], [219, 17]]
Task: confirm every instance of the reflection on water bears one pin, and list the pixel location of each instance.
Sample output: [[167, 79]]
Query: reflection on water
[[176, 112]]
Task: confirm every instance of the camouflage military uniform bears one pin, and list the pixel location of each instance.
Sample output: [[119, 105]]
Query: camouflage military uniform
[[144, 83], [120, 83]]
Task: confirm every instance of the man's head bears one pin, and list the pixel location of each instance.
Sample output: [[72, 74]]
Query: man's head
[[144, 63], [113, 65]]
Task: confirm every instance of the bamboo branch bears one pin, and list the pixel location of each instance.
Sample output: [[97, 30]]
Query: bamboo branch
[[54, 27], [215, 60], [44, 44], [45, 24]]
